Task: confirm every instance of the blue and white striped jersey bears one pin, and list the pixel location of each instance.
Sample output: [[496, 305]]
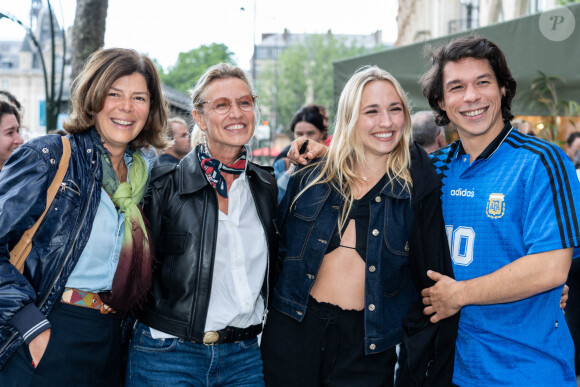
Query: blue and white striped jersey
[[520, 196]]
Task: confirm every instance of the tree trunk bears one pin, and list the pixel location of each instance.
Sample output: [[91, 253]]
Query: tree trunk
[[88, 32]]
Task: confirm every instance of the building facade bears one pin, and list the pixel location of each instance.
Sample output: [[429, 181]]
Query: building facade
[[421, 20]]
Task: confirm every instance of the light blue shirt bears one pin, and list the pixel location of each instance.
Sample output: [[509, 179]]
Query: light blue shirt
[[98, 262]]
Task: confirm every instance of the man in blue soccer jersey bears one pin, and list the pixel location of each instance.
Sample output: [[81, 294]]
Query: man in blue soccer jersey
[[511, 204]]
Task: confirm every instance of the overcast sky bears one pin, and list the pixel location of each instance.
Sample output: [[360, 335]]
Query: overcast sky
[[165, 28]]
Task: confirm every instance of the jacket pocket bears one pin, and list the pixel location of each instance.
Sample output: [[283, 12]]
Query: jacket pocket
[[173, 243], [395, 259], [170, 248], [62, 216]]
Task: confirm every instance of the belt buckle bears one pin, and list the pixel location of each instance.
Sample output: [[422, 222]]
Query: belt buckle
[[210, 338]]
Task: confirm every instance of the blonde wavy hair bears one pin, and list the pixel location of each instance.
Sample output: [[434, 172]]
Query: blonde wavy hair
[[346, 150]]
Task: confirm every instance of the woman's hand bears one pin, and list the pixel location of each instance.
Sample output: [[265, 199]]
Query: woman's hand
[[38, 345], [313, 150]]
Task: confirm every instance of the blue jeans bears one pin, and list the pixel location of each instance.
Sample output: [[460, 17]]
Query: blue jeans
[[178, 362]]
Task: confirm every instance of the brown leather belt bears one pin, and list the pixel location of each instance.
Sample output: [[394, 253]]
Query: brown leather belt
[[231, 335]]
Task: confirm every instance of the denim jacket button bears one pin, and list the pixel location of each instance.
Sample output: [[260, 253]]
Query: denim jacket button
[[310, 276], [371, 307], [372, 347], [378, 199], [375, 232], [372, 269]]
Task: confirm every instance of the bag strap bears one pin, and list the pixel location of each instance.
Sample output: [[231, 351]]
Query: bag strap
[[26, 239]]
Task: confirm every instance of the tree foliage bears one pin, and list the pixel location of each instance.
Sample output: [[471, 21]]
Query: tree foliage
[[192, 64], [303, 74]]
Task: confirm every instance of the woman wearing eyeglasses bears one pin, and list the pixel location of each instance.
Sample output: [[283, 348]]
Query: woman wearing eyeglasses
[[212, 226]]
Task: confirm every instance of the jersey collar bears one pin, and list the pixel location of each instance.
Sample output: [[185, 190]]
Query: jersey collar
[[492, 147]]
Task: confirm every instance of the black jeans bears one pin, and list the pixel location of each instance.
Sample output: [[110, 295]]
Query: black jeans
[[84, 350], [325, 349]]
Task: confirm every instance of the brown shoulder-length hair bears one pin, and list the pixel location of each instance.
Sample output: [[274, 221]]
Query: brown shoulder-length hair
[[90, 88], [470, 46]]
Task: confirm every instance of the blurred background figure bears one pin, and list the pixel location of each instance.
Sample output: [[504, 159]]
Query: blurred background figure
[[572, 149], [180, 141], [9, 130], [523, 126], [308, 122], [426, 132], [62, 132]]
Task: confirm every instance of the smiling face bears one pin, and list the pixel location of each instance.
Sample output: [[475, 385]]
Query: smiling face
[[472, 99], [381, 119], [124, 112], [9, 136], [227, 132]]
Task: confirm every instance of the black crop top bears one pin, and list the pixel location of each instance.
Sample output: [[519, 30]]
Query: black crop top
[[360, 213]]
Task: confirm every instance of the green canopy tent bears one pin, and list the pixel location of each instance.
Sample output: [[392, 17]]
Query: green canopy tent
[[525, 43]]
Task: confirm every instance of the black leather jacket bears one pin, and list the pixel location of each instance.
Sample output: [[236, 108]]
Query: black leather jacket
[[182, 209]]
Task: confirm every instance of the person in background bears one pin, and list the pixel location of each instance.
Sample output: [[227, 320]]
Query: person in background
[[308, 122], [358, 231], [9, 130], [180, 142], [61, 132], [511, 204], [61, 320], [426, 132], [212, 221], [572, 149], [523, 126]]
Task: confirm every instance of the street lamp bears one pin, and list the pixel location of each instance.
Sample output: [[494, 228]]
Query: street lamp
[[52, 105]]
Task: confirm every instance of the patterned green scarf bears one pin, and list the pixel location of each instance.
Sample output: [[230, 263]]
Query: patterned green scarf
[[133, 275]]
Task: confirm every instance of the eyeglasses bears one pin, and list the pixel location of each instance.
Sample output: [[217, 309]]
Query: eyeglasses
[[223, 105]]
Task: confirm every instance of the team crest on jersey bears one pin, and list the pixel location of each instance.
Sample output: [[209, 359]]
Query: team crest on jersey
[[495, 206]]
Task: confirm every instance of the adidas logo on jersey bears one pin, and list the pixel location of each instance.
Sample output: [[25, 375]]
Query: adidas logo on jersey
[[463, 192]]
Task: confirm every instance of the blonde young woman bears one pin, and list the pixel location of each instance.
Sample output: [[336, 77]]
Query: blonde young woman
[[356, 227]]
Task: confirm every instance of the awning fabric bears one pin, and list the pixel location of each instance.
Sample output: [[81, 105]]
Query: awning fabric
[[526, 48]]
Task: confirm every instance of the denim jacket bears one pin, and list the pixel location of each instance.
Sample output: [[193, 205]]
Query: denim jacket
[[307, 229]]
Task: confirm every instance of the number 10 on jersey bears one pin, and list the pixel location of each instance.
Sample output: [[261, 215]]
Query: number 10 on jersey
[[461, 240]]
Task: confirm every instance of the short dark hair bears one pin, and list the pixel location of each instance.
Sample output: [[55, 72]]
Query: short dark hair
[[424, 128], [310, 114], [572, 137], [470, 46], [90, 88], [7, 108]]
